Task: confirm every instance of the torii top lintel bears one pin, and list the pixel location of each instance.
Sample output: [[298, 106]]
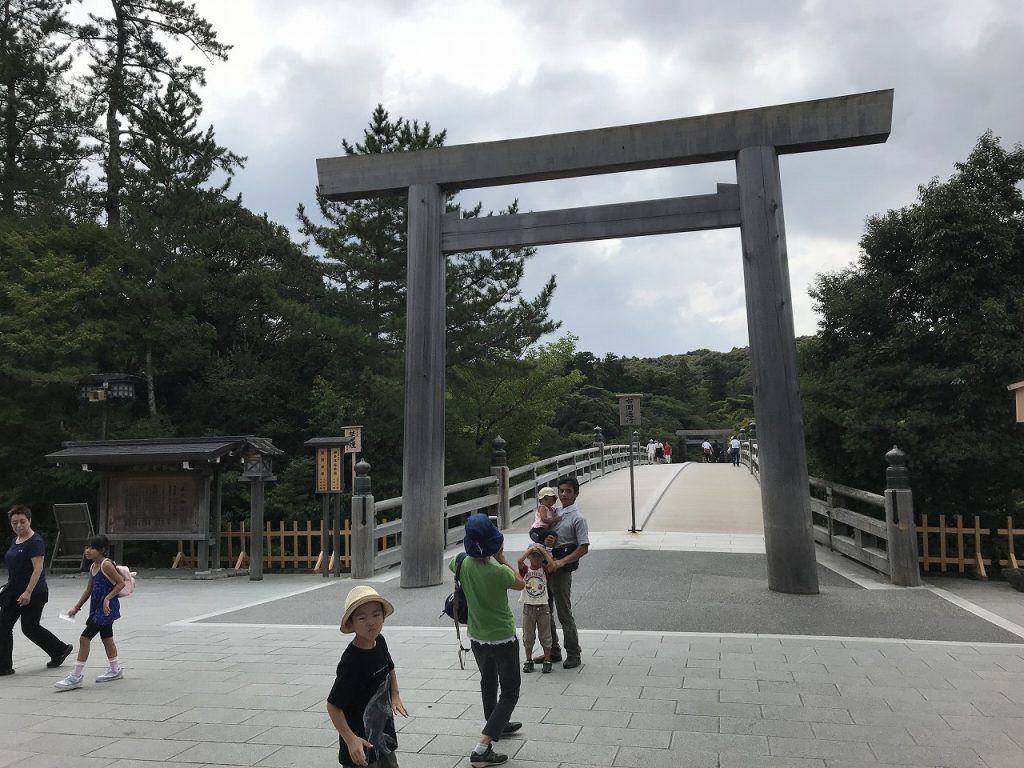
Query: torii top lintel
[[805, 126]]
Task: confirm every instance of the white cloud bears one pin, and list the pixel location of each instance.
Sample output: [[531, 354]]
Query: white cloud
[[304, 74]]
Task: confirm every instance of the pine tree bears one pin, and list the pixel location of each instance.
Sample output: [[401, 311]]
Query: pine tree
[[42, 120], [167, 189], [132, 67], [363, 246]]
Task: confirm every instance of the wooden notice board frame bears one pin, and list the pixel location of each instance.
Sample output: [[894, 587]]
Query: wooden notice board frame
[[74, 528]]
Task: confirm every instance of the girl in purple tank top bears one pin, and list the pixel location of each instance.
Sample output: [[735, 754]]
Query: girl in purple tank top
[[105, 584]]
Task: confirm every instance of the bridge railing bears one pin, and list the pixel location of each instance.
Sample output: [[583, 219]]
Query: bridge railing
[[748, 457], [874, 529], [508, 494], [864, 537]]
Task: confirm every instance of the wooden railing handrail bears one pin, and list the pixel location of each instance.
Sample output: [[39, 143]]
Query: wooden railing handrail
[[851, 493]]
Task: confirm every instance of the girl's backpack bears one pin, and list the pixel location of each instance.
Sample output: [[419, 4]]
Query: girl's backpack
[[129, 579]]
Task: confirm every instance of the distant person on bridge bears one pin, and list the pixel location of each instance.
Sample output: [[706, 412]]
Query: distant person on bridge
[[573, 543], [652, 447], [659, 452], [668, 453], [706, 446], [734, 451]]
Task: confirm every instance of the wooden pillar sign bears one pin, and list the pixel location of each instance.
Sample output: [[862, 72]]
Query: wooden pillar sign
[[330, 462], [629, 417]]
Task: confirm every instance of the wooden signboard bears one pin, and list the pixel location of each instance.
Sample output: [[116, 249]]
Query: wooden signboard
[[629, 410], [336, 462], [322, 470], [156, 506], [357, 433]]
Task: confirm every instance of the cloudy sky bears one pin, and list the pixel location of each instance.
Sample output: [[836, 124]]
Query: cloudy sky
[[307, 73]]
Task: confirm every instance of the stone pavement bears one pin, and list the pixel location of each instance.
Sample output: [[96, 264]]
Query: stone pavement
[[707, 668], [212, 692]]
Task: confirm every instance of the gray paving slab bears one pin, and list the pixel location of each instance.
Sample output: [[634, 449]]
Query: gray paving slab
[[709, 669], [678, 592]]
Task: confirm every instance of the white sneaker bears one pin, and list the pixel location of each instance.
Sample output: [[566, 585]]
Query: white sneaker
[[69, 683], [109, 675]]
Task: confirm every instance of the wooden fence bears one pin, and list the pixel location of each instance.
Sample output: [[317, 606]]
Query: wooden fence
[[294, 546]]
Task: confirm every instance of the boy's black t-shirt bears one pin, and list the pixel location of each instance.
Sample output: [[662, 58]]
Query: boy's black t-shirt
[[362, 690]]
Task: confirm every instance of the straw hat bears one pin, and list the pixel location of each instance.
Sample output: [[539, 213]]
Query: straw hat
[[547, 490], [358, 596]]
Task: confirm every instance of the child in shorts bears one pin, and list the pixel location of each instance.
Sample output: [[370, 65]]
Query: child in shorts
[[365, 696], [535, 565], [105, 584]]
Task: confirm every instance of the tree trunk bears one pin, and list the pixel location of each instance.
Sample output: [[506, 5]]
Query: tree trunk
[[112, 166], [10, 129], [149, 381]]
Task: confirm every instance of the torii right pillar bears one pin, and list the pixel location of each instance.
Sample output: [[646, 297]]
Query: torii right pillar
[[782, 456]]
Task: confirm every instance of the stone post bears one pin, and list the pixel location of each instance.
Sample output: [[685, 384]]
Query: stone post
[[599, 443], [364, 520], [499, 468], [899, 517]]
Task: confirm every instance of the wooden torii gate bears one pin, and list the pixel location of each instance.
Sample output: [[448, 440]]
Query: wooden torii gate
[[753, 138]]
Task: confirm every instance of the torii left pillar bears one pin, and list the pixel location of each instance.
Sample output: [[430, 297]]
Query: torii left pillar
[[423, 451]]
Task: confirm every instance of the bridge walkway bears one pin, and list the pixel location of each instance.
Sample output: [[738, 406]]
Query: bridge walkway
[[711, 507]]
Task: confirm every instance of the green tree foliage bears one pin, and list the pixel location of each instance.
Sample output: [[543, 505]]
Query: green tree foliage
[[60, 297], [170, 193], [490, 326], [920, 338], [132, 67], [42, 119], [698, 390], [510, 397]]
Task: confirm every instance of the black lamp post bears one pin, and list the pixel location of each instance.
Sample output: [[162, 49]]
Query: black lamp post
[[105, 388]]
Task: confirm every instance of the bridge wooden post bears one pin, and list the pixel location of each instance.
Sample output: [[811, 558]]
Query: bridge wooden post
[[364, 519], [904, 570], [788, 533], [499, 468], [423, 452]]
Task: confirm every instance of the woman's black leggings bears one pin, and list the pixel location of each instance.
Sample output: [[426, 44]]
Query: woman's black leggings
[[30, 616]]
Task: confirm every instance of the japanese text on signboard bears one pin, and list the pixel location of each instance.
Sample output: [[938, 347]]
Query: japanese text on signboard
[[629, 410]]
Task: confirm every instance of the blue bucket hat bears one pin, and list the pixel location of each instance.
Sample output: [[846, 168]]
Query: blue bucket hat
[[483, 538]]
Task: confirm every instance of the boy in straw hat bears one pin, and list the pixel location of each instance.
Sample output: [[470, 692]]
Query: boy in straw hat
[[365, 695]]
